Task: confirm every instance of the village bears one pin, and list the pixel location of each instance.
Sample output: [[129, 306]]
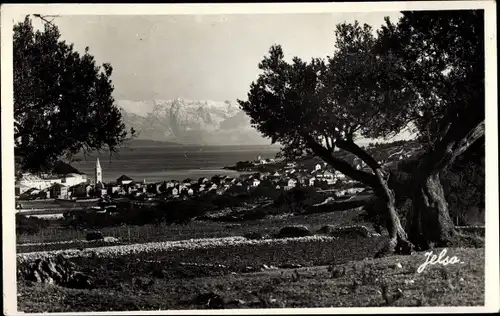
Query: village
[[66, 183]]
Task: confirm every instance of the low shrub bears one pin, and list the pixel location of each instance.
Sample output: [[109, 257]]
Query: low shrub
[[94, 235], [294, 231]]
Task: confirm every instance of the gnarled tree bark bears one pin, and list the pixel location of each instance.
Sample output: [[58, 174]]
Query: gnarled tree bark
[[386, 206], [429, 220]]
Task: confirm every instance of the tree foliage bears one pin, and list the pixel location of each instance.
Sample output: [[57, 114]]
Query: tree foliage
[[427, 71], [442, 56], [337, 99], [63, 101]]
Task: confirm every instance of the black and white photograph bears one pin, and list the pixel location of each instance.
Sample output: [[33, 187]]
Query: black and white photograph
[[250, 158]]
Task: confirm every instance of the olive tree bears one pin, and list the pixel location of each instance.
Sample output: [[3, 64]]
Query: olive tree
[[441, 54], [320, 106], [426, 71], [63, 101]]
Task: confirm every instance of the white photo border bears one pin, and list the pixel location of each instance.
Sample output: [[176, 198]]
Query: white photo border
[[11, 11]]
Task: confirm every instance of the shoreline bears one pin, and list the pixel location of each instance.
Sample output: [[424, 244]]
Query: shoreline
[[177, 175]]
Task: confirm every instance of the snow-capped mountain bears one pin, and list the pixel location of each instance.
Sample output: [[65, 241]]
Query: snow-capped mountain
[[190, 121]]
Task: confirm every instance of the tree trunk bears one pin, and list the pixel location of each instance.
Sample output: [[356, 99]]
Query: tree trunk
[[398, 241], [385, 201], [429, 221]]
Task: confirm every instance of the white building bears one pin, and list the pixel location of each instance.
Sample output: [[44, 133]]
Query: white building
[[73, 179], [256, 182], [339, 175], [292, 183], [175, 192], [317, 167], [34, 181]]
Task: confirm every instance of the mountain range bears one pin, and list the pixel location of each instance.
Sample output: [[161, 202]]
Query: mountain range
[[182, 121]]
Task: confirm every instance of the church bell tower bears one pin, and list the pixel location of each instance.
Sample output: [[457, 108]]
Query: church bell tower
[[98, 172]]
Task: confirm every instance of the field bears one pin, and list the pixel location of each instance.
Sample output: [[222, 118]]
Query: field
[[48, 238], [159, 268], [126, 284]]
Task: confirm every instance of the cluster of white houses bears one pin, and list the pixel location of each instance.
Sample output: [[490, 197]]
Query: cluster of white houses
[[78, 185]]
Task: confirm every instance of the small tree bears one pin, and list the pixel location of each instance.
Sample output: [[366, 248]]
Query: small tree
[[63, 101]]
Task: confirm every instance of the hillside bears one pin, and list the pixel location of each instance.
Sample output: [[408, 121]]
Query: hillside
[[190, 122]]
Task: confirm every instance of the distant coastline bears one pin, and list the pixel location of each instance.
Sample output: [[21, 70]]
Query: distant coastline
[[138, 143], [159, 162]]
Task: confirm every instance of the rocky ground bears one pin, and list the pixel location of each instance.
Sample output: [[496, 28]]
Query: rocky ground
[[391, 281]]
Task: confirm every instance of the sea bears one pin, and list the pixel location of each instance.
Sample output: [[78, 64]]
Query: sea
[[172, 162]]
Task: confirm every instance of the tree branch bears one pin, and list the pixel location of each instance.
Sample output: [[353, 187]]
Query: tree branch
[[448, 149], [340, 164], [351, 147], [459, 148]]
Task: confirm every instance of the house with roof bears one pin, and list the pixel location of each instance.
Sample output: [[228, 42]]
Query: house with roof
[[72, 179], [311, 181], [214, 186], [21, 188], [202, 187], [302, 179], [184, 186], [81, 190], [291, 184], [339, 175], [124, 180], [175, 192], [113, 188], [59, 191], [100, 189], [169, 184], [255, 182]]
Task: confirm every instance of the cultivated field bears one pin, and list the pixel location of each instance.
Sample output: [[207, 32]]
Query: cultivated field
[[50, 238], [132, 283], [163, 267]]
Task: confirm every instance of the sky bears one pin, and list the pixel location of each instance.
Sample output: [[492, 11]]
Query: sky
[[200, 57]]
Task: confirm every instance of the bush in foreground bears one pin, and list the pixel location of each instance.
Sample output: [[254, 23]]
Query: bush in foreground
[[294, 231]]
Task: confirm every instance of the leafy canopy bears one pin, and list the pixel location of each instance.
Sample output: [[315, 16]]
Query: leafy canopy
[[441, 53], [332, 100], [63, 101]]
